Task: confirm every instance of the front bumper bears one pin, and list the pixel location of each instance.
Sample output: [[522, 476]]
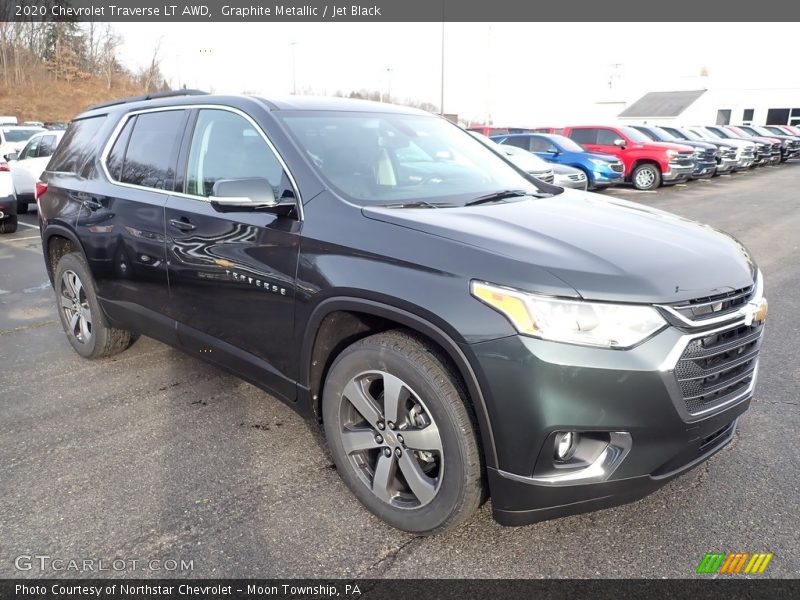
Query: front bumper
[[538, 388], [677, 173], [704, 169], [606, 178], [726, 165]]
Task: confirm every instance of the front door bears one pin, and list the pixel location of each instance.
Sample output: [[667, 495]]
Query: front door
[[232, 270]]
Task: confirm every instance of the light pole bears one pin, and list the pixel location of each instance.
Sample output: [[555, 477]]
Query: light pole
[[441, 97], [292, 45], [388, 84]]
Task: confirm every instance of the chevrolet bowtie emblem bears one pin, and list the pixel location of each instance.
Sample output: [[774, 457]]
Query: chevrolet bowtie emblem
[[757, 311]]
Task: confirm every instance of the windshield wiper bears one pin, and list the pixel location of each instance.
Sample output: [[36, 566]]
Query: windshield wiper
[[497, 196], [418, 204]]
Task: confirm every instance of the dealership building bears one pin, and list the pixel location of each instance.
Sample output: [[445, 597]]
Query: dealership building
[[771, 106]]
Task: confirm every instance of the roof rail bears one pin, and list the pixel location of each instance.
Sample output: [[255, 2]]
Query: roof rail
[[152, 96]]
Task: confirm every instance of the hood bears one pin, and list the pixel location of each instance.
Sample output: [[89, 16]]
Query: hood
[[606, 157], [663, 145], [605, 249]]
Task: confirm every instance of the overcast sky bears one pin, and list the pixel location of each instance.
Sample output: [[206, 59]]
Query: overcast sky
[[522, 73]]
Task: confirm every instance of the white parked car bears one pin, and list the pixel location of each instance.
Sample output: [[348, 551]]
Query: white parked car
[[527, 161], [14, 137], [8, 203], [29, 164]]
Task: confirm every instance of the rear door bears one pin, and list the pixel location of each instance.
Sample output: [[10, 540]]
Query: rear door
[[232, 270], [121, 224]]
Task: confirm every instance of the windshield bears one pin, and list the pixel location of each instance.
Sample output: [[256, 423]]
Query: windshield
[[383, 158], [665, 136], [766, 131], [721, 133], [566, 144], [635, 135], [19, 135], [689, 134]]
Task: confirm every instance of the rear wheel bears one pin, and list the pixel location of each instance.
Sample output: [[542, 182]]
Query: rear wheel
[[84, 322], [401, 435], [646, 177], [9, 224]]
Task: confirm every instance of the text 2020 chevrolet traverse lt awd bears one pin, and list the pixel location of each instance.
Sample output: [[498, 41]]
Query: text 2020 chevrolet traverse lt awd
[[459, 328]]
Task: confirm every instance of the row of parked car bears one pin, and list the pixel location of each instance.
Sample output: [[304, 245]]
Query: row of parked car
[[579, 157], [24, 153], [647, 156]]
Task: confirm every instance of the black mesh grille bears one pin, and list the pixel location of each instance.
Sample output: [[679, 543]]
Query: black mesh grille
[[718, 367]]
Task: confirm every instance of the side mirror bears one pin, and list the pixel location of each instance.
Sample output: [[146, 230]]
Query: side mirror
[[619, 142], [12, 156], [553, 151], [253, 192]]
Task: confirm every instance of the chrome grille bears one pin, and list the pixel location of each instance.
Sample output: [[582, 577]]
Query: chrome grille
[[719, 368], [577, 177], [714, 306]]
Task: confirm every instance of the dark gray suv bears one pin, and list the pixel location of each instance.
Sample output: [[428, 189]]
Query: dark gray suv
[[459, 328]]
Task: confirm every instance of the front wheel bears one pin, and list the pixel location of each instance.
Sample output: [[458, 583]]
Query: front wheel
[[399, 430], [646, 177]]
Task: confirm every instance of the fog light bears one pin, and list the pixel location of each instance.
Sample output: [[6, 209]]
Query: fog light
[[566, 443]]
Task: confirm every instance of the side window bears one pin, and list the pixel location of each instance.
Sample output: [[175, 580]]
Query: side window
[[116, 157], [79, 147], [227, 146], [147, 154], [541, 145], [47, 146], [606, 137], [31, 148], [520, 141], [584, 136]]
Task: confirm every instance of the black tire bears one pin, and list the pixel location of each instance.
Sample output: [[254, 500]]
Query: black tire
[[95, 339], [8, 224], [22, 207], [646, 177], [456, 476]]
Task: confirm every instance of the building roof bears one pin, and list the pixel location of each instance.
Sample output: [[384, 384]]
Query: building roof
[[662, 104]]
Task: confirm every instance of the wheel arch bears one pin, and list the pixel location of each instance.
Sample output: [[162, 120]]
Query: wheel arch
[[339, 321], [646, 161], [57, 240]]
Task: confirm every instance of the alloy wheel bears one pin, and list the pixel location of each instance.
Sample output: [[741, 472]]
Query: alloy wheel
[[391, 439], [645, 178], [76, 308]]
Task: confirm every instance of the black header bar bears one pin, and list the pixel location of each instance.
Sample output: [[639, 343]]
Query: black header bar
[[399, 10]]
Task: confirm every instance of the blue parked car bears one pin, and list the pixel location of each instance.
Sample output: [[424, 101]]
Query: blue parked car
[[602, 170]]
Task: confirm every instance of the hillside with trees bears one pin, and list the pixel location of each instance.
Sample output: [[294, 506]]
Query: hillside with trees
[[50, 71]]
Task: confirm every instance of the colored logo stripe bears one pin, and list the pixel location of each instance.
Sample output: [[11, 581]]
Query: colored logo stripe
[[720, 562]]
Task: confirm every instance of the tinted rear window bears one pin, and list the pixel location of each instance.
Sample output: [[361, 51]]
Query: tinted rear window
[[151, 152], [79, 147]]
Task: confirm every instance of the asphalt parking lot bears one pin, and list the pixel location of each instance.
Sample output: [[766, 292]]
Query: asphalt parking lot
[[155, 455]]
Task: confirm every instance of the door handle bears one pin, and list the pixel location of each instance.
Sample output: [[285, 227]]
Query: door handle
[[181, 224]]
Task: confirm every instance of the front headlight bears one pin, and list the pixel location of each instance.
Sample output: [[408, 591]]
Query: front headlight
[[672, 153], [571, 321], [598, 163]]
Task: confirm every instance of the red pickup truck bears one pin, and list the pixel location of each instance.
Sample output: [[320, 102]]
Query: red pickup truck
[[648, 164]]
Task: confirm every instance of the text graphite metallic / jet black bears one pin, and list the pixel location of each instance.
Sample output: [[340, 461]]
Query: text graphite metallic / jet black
[[460, 328]]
